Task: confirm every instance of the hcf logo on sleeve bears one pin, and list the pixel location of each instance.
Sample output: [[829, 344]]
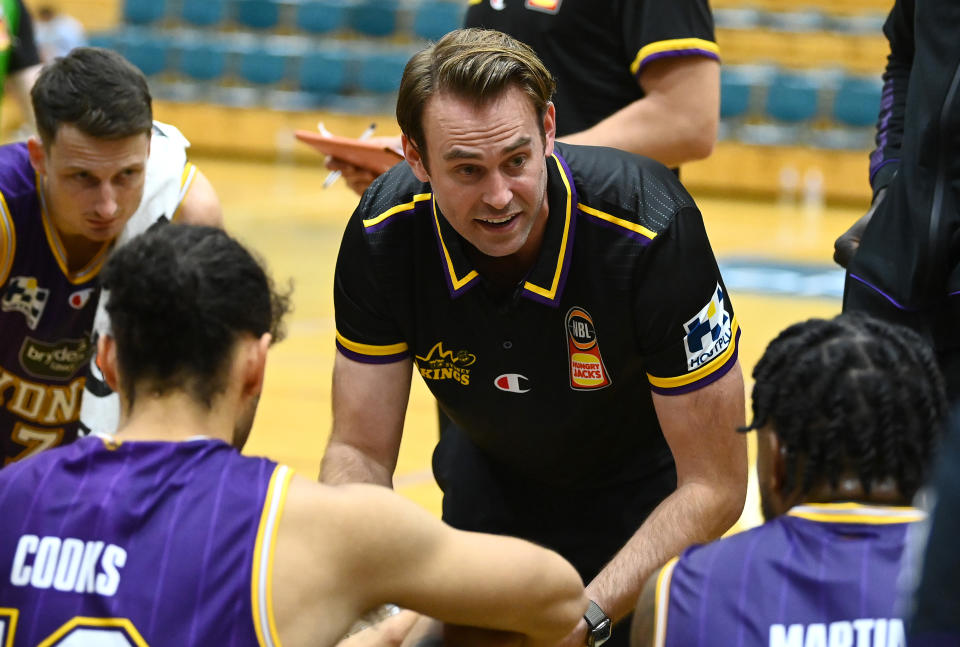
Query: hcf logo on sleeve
[[709, 333]]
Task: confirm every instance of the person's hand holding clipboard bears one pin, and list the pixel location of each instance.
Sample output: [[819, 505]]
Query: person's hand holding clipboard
[[361, 159]]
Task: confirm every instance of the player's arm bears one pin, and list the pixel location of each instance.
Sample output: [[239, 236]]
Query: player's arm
[[366, 545], [711, 459], [676, 120], [201, 206], [369, 405]]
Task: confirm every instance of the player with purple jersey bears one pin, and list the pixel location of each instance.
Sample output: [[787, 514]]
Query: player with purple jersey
[[100, 167], [167, 535], [847, 412]]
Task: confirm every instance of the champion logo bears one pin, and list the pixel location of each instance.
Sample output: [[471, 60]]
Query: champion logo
[[512, 383], [498, 5], [79, 298]]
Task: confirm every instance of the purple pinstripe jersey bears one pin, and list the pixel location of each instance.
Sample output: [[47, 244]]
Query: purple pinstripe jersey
[[822, 575], [46, 317], [153, 543]]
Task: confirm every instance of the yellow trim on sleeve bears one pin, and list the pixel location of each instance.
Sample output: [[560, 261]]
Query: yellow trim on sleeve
[[703, 371], [186, 183], [406, 206], [620, 222], [8, 240], [662, 595], [369, 349], [672, 45], [267, 533], [552, 291], [81, 621]]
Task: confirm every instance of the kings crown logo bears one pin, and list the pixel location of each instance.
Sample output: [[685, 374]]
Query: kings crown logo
[[441, 364]]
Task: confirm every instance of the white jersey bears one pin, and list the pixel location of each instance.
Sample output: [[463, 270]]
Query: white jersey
[[168, 178]]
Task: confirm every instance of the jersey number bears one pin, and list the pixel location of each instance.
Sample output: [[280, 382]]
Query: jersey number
[[36, 440], [78, 632]]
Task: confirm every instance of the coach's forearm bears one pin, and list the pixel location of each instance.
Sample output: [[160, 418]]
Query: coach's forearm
[[345, 463], [696, 512]]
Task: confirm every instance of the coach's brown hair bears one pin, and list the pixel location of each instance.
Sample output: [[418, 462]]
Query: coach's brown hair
[[475, 64]]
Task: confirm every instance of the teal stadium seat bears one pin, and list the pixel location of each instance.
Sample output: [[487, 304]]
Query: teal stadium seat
[[144, 12], [792, 98], [857, 102], [380, 71], [202, 60], [435, 18], [324, 72], [735, 93], [150, 53], [256, 14], [374, 17], [263, 65], [204, 13], [322, 16], [104, 39]]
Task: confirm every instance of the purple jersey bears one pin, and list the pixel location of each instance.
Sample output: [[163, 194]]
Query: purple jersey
[[820, 575], [46, 317], [139, 543]]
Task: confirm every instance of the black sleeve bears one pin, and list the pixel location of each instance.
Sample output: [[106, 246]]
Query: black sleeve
[[654, 29], [24, 53], [686, 323], [896, 77]]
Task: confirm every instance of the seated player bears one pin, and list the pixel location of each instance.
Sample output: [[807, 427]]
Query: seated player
[[167, 535], [847, 412]]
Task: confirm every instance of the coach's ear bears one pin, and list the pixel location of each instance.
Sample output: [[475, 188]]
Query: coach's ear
[[416, 161]]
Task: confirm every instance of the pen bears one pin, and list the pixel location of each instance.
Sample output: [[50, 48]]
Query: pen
[[335, 175]]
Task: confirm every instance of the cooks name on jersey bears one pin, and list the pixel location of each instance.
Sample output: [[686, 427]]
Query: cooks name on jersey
[[67, 564]]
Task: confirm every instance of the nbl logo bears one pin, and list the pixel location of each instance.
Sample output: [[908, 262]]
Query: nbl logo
[[708, 333], [586, 365], [25, 296]]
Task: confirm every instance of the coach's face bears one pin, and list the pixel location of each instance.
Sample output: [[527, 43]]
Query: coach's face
[[487, 168], [91, 186]]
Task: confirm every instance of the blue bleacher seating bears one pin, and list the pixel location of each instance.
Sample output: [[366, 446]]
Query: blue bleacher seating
[[380, 71], [263, 66], [322, 16], [202, 60], [734, 94], [256, 14], [792, 98], [434, 18], [857, 102], [204, 13], [324, 72], [151, 54], [374, 17], [105, 39], [143, 12]]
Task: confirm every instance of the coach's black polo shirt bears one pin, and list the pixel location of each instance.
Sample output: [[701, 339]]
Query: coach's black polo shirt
[[596, 50], [554, 380]]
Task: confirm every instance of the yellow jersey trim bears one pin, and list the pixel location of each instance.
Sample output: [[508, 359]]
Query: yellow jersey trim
[[85, 273], [551, 292], [672, 45], [689, 378], [620, 222], [369, 349], [400, 208], [8, 240], [473, 2], [186, 182], [857, 513], [12, 615], [457, 282], [662, 596], [261, 582], [81, 621]]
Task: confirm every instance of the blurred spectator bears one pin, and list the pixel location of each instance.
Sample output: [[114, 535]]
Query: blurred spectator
[[57, 33], [19, 60]]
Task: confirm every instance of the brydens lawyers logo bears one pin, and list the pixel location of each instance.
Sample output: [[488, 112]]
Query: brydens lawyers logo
[[79, 298], [709, 333], [586, 365], [512, 383]]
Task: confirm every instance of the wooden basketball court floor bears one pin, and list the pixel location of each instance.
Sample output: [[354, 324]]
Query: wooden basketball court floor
[[776, 260]]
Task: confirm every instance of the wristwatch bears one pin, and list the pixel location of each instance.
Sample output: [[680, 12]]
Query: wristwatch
[[598, 625]]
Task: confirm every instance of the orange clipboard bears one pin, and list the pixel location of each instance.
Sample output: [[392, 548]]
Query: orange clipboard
[[360, 153]]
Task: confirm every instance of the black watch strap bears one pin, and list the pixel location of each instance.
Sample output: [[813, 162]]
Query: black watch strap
[[598, 625]]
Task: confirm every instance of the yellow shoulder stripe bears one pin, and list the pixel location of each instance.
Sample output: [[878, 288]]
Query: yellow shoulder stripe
[[620, 222], [8, 240], [369, 349], [261, 582], [703, 371], [663, 602], [186, 181], [400, 208]]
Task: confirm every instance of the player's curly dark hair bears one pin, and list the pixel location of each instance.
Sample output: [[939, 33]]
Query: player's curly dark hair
[[179, 297], [850, 395]]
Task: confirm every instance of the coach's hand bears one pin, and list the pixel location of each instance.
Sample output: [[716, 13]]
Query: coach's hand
[[848, 243]]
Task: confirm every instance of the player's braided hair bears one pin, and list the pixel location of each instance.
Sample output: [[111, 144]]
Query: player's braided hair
[[850, 395], [179, 297]]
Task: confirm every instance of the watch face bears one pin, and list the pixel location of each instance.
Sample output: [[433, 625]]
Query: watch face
[[599, 634]]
